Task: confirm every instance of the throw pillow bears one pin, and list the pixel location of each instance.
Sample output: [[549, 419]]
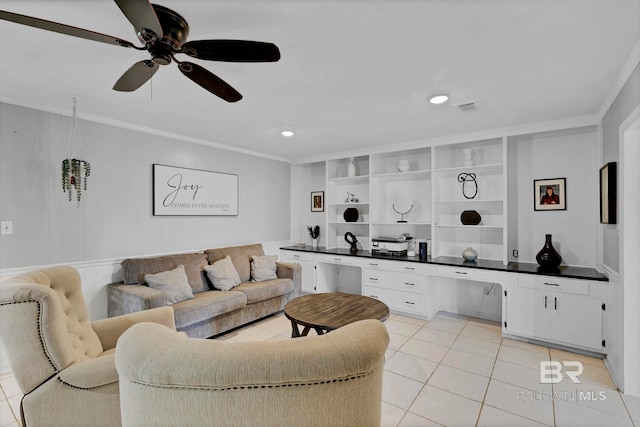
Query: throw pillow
[[223, 274], [263, 268], [173, 282]]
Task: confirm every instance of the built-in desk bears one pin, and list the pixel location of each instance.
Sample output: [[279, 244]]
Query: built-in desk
[[563, 306]]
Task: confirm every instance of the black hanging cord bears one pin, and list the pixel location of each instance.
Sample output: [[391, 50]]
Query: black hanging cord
[[464, 178]]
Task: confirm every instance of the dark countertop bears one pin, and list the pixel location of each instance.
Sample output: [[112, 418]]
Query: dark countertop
[[513, 267]]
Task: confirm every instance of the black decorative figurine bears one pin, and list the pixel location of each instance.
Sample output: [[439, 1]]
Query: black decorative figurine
[[353, 242], [548, 257]]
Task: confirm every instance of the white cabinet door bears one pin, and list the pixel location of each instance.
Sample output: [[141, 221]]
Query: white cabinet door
[[308, 276], [528, 312], [576, 320]]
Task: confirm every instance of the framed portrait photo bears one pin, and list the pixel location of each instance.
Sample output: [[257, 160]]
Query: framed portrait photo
[[317, 201], [608, 193], [550, 194]]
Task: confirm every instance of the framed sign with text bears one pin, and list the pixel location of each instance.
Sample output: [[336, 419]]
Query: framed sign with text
[[191, 192]]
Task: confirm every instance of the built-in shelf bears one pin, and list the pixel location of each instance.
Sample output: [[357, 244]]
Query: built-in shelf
[[348, 223], [360, 179], [401, 223], [403, 176], [496, 168], [347, 205], [498, 227], [472, 201]]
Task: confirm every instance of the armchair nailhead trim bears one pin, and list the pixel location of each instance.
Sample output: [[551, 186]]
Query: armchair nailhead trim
[[248, 387], [44, 347]]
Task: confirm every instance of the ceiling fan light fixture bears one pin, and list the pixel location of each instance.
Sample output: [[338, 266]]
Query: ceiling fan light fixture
[[287, 133], [439, 98]]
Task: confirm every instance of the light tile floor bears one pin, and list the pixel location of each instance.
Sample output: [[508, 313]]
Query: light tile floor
[[457, 371]]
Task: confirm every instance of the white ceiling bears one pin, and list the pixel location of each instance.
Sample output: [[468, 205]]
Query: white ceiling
[[353, 73]]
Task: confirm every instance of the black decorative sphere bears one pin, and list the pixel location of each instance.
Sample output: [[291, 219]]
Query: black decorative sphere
[[351, 215]]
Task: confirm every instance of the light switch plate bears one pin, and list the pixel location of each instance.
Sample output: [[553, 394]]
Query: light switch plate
[[6, 227]]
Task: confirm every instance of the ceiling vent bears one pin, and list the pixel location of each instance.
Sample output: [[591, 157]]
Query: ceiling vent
[[467, 106]]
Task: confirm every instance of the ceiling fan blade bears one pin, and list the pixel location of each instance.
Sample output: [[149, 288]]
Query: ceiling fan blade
[[210, 81], [232, 50], [62, 28], [136, 76], [141, 15]]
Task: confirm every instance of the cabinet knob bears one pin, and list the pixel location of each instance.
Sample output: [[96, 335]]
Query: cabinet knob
[[373, 279], [409, 268], [410, 302], [551, 284], [373, 296], [461, 272], [409, 284]]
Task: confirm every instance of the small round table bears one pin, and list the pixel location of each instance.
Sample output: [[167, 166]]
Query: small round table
[[328, 311]]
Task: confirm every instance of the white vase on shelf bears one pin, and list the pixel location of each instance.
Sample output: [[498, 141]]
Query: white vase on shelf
[[351, 171], [314, 243]]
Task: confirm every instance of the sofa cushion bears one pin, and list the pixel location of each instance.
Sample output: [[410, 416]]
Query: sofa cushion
[[240, 256], [261, 291], [223, 274], [134, 269], [263, 268], [206, 305], [174, 283]]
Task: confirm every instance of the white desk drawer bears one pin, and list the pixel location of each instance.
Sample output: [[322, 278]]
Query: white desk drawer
[[463, 273], [340, 259], [396, 300], [296, 256], [555, 284], [399, 266], [405, 282]]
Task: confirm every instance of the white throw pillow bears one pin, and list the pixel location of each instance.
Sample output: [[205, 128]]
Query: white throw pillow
[[263, 267], [173, 282], [223, 274]]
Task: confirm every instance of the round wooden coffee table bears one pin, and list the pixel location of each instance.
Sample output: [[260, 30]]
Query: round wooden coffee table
[[328, 311]]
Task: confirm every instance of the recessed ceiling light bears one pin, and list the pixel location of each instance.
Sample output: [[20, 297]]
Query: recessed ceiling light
[[287, 133], [439, 98]]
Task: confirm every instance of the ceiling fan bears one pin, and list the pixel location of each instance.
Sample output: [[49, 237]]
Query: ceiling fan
[[164, 33]]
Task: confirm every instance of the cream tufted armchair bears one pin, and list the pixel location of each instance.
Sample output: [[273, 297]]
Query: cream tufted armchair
[[63, 362]]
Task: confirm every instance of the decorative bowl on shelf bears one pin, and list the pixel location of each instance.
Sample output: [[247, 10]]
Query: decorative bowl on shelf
[[470, 218], [351, 215]]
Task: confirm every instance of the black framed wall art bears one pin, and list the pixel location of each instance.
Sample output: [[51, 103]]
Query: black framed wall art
[[608, 193], [317, 201], [550, 194]]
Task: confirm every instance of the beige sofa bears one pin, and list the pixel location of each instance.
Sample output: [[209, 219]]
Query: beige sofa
[[211, 311], [63, 363], [168, 379]]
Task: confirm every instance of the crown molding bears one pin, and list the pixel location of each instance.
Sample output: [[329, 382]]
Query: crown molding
[[142, 129]]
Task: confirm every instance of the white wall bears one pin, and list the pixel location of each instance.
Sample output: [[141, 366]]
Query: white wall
[[571, 154], [115, 218]]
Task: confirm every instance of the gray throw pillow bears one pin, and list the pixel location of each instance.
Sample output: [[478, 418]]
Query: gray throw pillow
[[223, 274], [173, 282], [263, 268]]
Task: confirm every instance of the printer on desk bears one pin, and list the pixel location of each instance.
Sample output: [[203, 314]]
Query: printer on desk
[[392, 246]]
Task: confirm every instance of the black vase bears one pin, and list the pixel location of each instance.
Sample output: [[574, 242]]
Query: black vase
[[548, 257]]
